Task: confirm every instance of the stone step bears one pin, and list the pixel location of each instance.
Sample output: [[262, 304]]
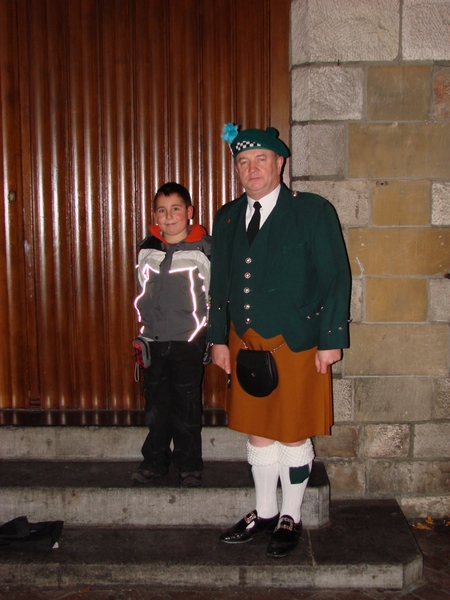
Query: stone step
[[105, 443], [366, 545], [102, 494]]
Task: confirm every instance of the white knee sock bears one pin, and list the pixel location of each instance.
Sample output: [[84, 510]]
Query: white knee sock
[[294, 478], [264, 463]]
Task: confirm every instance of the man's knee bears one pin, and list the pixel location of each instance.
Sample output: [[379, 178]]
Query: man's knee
[[259, 442]]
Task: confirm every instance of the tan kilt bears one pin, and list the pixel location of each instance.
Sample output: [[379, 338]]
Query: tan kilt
[[299, 408]]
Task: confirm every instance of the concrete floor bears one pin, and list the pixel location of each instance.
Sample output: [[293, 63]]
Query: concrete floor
[[433, 540]]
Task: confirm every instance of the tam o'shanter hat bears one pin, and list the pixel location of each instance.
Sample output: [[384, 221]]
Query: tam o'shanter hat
[[252, 139]]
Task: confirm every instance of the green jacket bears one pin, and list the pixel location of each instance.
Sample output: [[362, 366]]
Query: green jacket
[[294, 279]]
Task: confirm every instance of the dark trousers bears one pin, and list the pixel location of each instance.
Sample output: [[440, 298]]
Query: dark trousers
[[173, 406]]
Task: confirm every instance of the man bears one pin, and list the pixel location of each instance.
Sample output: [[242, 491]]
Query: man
[[286, 289]]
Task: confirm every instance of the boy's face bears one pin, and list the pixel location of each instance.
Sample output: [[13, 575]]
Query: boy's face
[[172, 217]]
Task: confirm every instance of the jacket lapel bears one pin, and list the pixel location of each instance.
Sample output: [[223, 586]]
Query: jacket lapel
[[280, 221], [235, 224]]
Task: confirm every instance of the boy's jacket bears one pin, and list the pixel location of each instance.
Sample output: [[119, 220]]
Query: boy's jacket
[[294, 279], [174, 283]]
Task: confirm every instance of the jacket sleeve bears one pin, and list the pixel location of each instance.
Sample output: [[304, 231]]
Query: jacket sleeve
[[218, 324], [204, 267], [330, 257]]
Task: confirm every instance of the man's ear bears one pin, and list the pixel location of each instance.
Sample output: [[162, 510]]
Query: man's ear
[[190, 212], [280, 161]]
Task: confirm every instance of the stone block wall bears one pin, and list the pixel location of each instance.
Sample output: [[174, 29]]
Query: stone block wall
[[370, 131]]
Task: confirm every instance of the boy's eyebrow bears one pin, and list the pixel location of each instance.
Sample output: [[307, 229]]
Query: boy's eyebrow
[[174, 204]]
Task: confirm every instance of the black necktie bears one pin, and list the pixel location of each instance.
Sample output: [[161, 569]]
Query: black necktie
[[253, 226]]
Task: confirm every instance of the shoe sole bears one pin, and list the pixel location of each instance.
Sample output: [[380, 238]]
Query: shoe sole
[[237, 541], [191, 482], [139, 478], [249, 539]]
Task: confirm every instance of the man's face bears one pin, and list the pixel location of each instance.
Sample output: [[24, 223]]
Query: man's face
[[259, 171], [172, 217]]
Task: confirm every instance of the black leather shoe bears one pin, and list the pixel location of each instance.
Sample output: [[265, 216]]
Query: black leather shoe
[[247, 528], [285, 537]]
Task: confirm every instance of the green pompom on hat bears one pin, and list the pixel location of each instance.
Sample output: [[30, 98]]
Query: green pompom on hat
[[252, 139]]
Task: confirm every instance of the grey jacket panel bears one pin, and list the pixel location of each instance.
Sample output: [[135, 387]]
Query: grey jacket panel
[[174, 283]]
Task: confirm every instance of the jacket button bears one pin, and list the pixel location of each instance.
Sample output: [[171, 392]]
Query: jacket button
[[247, 275], [246, 290], [248, 321], [248, 260], [246, 306]]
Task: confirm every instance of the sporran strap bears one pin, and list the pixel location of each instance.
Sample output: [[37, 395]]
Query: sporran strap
[[271, 351]]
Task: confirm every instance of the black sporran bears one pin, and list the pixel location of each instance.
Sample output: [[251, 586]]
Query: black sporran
[[256, 372]]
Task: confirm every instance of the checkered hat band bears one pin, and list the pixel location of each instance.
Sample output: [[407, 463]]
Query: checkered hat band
[[247, 144]]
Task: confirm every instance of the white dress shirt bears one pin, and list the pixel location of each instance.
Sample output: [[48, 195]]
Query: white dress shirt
[[267, 205]]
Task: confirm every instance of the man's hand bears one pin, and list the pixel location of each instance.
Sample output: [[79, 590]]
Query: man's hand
[[220, 354], [325, 358]]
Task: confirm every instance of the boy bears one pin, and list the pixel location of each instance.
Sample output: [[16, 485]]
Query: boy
[[173, 274]]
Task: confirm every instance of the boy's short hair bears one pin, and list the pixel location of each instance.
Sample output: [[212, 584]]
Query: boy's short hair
[[173, 188]]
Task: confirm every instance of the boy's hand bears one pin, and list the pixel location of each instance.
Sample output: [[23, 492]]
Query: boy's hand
[[220, 354], [325, 358]]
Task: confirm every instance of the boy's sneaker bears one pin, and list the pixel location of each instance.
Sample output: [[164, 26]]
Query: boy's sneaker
[[190, 480], [145, 476]]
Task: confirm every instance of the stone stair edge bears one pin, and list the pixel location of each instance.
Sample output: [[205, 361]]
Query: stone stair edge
[[91, 442], [102, 493], [118, 556], [343, 577]]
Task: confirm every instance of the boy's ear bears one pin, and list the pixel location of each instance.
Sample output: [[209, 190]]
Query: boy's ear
[[190, 212]]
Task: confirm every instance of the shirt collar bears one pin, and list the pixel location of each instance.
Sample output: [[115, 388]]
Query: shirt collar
[[267, 205]]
